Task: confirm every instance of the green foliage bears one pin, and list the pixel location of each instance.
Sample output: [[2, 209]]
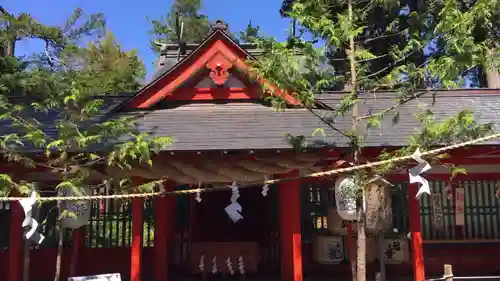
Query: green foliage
[[368, 46], [53, 102], [249, 34], [195, 26]]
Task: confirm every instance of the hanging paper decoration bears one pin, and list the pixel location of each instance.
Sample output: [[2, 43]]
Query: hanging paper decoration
[[198, 194], [234, 209], [345, 198], [214, 265], [416, 171], [202, 263], [241, 265], [265, 188], [229, 266], [77, 213], [27, 205], [448, 191]]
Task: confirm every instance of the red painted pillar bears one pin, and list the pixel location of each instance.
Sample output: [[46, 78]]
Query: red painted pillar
[[416, 234], [78, 244], [16, 242], [164, 231], [291, 240], [135, 254]]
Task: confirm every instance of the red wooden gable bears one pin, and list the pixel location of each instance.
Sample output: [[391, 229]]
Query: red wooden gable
[[216, 70]]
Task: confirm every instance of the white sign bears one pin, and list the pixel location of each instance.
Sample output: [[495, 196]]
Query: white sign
[[329, 249], [437, 210], [395, 251], [460, 206], [101, 277], [78, 212]]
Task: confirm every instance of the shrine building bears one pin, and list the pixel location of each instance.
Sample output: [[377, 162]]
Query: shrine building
[[225, 131]]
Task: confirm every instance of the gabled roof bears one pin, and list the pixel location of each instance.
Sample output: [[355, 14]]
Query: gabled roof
[[217, 50], [242, 126]]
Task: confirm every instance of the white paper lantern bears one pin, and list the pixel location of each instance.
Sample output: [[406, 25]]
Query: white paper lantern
[[78, 211], [345, 198]]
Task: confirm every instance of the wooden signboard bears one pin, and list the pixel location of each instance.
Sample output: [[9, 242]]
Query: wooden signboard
[[329, 249], [395, 250], [437, 211], [459, 206]]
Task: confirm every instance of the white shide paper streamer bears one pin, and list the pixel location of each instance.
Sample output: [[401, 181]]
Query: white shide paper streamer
[[27, 205], [241, 265], [233, 210], [198, 194], [265, 188], [415, 174], [229, 266], [214, 265], [202, 263]]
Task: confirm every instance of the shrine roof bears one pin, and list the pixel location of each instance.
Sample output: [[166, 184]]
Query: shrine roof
[[246, 125], [256, 126]]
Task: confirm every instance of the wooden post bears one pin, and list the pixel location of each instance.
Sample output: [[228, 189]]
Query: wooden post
[[448, 272], [15, 243], [416, 234], [135, 254], [164, 214], [78, 244], [381, 255], [290, 235], [352, 251]]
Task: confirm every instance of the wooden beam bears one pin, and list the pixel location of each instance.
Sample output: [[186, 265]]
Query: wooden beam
[[15, 243], [164, 230], [290, 233], [209, 94], [78, 244], [135, 250], [416, 234]]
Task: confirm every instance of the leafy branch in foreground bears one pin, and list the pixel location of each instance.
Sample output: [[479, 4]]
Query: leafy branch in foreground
[[53, 102]]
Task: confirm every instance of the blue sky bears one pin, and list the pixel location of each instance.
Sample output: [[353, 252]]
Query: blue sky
[[127, 18]]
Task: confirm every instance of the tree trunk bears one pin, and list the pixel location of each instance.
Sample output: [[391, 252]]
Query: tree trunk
[[361, 256], [493, 78], [352, 251], [7, 49], [492, 75], [26, 260], [57, 275]]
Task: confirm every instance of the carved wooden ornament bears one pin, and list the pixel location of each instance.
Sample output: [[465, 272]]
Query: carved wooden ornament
[[219, 69]]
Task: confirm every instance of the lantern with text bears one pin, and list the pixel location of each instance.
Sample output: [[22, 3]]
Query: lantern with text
[[345, 198], [76, 213]]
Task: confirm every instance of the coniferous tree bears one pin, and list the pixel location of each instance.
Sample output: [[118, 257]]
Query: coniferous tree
[[184, 18]]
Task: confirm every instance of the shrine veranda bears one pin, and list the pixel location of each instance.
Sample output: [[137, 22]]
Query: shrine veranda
[[224, 131]]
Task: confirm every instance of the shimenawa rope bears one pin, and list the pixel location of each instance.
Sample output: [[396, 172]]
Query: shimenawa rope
[[269, 182]]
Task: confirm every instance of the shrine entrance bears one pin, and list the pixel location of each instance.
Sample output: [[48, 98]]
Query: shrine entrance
[[216, 235]]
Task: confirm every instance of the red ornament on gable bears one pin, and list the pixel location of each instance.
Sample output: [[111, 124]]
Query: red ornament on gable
[[219, 69]]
